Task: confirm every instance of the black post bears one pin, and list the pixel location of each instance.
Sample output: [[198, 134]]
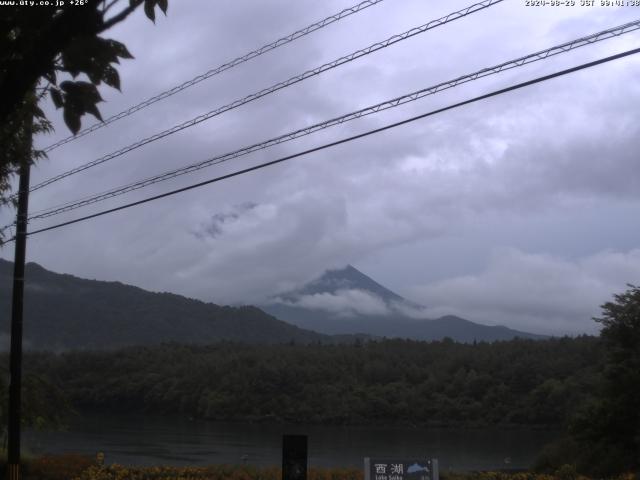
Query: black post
[[294, 457], [15, 387]]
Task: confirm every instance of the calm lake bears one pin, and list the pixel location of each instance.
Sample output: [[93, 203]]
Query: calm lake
[[153, 440]]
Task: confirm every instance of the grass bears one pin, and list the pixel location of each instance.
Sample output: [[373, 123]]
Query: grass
[[78, 467]]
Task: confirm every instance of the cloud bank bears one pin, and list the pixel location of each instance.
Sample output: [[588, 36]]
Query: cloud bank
[[523, 290]]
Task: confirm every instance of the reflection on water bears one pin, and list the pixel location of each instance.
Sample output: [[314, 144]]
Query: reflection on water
[[153, 440]]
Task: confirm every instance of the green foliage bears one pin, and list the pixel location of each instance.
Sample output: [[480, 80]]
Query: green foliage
[[75, 467], [387, 382], [556, 454], [43, 406], [39, 45], [74, 47], [15, 138], [605, 431], [92, 56], [215, 472], [58, 467], [566, 472]]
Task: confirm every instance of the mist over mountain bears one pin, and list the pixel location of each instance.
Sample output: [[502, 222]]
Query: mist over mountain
[[346, 301], [64, 312]]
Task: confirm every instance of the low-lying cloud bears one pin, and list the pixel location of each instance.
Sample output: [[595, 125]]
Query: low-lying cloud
[[535, 290], [347, 303]]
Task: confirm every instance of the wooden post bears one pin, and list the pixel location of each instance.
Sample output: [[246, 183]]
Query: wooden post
[[294, 457], [15, 359]]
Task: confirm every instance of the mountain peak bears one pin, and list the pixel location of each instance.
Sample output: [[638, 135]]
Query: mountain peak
[[346, 301], [7, 266], [346, 278]]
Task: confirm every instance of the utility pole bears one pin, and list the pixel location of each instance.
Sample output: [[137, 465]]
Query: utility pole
[[15, 359]]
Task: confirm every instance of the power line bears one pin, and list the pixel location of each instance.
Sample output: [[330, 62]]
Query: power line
[[345, 140], [278, 86], [410, 97], [221, 68]]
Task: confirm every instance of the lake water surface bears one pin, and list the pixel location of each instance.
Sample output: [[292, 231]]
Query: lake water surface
[[155, 440]]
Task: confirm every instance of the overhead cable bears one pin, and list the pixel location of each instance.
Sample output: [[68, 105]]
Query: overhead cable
[[401, 100], [274, 88], [219, 69], [344, 140]]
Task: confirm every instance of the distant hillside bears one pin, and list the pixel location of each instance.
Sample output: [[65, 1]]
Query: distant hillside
[[66, 312], [346, 301]]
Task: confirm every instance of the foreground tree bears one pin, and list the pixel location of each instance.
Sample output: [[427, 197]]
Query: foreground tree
[[37, 44], [43, 50], [608, 429], [44, 406]]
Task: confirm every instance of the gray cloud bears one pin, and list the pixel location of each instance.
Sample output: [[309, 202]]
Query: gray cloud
[[214, 227], [523, 289], [553, 151], [347, 302]]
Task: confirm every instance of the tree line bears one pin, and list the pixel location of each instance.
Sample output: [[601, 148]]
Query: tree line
[[519, 382]]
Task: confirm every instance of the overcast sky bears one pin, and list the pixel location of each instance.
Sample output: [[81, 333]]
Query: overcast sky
[[521, 210]]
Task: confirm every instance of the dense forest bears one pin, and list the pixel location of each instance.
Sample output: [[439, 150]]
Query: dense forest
[[521, 382], [588, 386]]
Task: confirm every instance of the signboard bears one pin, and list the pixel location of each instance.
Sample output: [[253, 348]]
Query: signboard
[[400, 469]]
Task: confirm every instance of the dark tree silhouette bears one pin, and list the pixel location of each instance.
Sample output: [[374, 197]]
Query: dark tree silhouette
[[608, 428], [38, 45]]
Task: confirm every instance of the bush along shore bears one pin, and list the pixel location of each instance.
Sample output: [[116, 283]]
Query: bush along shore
[[78, 467]]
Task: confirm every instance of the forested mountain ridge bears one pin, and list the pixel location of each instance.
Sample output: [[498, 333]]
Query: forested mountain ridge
[[66, 312], [346, 301]]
